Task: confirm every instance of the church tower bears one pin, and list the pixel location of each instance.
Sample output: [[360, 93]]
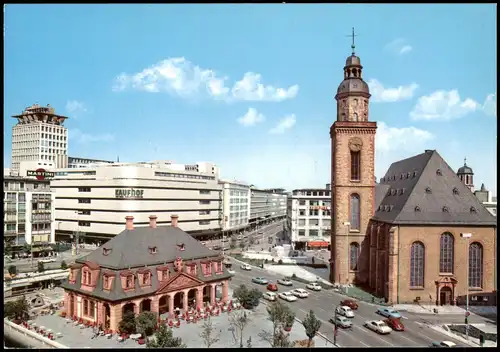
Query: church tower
[[466, 175], [353, 172]]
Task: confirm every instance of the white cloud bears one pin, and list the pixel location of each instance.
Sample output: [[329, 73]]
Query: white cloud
[[251, 118], [284, 124], [490, 105], [75, 107], [181, 77], [401, 139], [83, 138], [443, 105], [389, 95], [399, 46]]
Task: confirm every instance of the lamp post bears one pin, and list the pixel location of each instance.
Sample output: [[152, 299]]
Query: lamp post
[[335, 326], [467, 236], [347, 224]]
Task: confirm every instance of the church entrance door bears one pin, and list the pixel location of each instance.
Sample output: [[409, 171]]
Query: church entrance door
[[445, 296]]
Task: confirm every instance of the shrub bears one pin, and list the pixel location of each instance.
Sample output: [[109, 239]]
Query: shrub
[[249, 299], [146, 322], [12, 270], [64, 266], [280, 262], [41, 267], [128, 324]]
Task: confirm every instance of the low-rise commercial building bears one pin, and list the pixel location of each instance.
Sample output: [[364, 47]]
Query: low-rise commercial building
[[28, 211], [266, 205], [93, 200], [309, 218], [156, 269], [78, 163]]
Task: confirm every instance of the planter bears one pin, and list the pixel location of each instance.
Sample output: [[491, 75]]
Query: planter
[[288, 328]]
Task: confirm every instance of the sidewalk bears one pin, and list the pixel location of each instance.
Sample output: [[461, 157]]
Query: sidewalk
[[444, 310]]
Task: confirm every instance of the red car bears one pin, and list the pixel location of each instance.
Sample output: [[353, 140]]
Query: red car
[[395, 324], [349, 303], [272, 287]]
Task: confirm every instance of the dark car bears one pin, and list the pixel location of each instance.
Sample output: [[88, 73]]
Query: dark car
[[349, 303], [395, 324]]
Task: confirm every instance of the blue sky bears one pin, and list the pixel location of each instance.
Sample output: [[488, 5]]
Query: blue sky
[[251, 87]]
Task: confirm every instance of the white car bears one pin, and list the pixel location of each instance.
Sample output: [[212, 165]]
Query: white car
[[285, 282], [245, 267], [378, 326], [313, 286], [301, 293], [287, 296], [270, 296], [345, 311], [232, 272]]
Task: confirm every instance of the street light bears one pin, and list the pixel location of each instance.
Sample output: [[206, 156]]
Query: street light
[[467, 236], [347, 224], [335, 326]]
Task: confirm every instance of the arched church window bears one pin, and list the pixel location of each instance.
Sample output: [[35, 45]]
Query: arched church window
[[417, 263], [446, 253], [355, 212], [355, 165], [475, 265], [355, 117], [353, 256]]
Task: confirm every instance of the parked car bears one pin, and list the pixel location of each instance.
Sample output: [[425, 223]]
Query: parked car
[[216, 247], [270, 296], [272, 287], [287, 296], [350, 303], [341, 321], [230, 271], [285, 282], [445, 344], [388, 312], [395, 324], [378, 326], [260, 281], [245, 267], [313, 286], [345, 311], [301, 293]]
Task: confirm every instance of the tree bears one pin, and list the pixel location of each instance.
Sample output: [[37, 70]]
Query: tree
[[146, 322], [12, 270], [164, 338], [251, 240], [41, 267], [232, 244], [27, 248], [128, 324], [249, 299], [281, 316], [239, 321], [18, 309], [242, 245], [249, 342], [64, 266], [208, 333], [312, 326]]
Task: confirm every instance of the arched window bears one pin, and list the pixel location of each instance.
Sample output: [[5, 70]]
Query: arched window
[[355, 212], [355, 166], [476, 265], [353, 256], [446, 253], [417, 263]]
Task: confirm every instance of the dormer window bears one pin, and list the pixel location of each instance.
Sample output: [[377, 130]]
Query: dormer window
[[455, 191], [428, 190], [106, 251], [146, 278], [181, 247], [153, 250], [72, 275], [473, 210], [439, 172], [191, 268], [129, 282], [408, 175], [219, 268], [446, 209], [401, 176], [417, 209], [106, 282], [401, 191], [207, 268], [86, 277], [414, 174]]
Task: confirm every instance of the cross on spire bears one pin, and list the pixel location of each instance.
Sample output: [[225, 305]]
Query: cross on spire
[[465, 161], [353, 35]]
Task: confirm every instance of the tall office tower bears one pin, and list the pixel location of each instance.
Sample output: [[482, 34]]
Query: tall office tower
[[39, 136]]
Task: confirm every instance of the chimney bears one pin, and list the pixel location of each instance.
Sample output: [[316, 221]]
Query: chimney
[[152, 221], [174, 219], [129, 224]]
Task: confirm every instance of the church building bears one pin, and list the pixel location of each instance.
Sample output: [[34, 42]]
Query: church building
[[418, 235]]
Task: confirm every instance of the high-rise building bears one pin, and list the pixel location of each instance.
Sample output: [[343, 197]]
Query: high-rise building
[[39, 136], [236, 205]]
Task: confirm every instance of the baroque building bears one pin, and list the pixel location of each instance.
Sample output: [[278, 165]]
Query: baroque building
[[150, 268]]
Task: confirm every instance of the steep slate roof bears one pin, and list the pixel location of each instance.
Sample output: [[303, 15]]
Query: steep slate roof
[[420, 188], [380, 192], [130, 248]]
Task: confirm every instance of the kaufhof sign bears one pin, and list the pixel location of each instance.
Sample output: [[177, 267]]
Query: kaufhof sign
[[129, 193], [40, 174]]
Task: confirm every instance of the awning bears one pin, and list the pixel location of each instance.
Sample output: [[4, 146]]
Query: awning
[[318, 244]]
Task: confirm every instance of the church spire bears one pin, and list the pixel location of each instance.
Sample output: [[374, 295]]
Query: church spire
[[353, 46]]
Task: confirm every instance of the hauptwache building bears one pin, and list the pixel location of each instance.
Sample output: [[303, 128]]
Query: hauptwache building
[[95, 200]]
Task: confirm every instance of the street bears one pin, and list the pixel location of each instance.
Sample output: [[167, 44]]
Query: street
[[25, 265], [416, 334]]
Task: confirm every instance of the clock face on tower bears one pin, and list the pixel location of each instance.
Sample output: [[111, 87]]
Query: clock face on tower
[[355, 144]]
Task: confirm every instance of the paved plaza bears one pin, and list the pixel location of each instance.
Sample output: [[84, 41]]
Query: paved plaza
[[76, 337]]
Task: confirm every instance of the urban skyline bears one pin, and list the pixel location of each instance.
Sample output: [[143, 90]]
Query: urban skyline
[[228, 108]]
